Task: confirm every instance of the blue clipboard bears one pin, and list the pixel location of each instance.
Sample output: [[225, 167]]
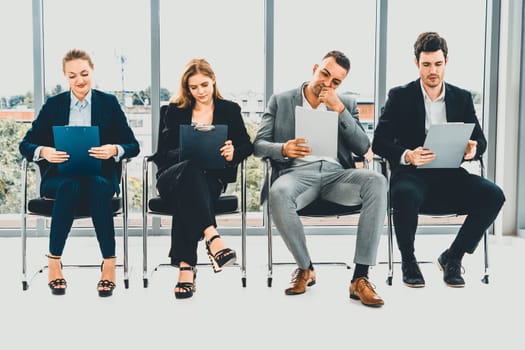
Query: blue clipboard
[[76, 141], [203, 146]]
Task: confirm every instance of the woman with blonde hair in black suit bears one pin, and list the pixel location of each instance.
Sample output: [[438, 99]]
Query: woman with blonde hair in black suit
[[187, 187]]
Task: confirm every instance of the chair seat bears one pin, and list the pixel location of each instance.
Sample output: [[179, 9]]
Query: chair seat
[[44, 206], [224, 204], [322, 207]]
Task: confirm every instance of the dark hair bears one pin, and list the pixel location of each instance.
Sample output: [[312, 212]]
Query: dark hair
[[430, 42], [340, 58]]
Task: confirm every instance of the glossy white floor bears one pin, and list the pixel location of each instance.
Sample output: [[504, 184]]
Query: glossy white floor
[[223, 315]]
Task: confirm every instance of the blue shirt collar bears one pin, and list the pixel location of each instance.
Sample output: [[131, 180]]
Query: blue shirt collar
[[75, 102]]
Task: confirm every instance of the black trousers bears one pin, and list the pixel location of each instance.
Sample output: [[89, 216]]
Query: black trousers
[[69, 193], [443, 191], [191, 200]]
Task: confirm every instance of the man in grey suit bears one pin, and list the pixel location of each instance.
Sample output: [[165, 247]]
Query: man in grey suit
[[300, 178]]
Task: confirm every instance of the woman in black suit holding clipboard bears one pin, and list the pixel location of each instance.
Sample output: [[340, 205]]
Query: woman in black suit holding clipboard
[[81, 106], [190, 189]]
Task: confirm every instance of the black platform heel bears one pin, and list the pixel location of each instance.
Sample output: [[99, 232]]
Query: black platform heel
[[222, 258], [56, 284], [105, 284], [186, 289]]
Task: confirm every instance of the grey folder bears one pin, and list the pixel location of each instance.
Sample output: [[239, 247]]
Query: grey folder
[[203, 146], [76, 141], [448, 142], [319, 128]]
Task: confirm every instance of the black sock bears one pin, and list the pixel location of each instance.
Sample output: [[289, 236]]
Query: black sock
[[360, 271]]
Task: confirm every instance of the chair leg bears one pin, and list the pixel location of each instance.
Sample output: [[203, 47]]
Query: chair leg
[[243, 223], [125, 259], [390, 275], [269, 239], [145, 248], [25, 284], [485, 278]]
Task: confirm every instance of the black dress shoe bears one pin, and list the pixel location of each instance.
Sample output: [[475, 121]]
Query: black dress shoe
[[452, 271], [412, 276]]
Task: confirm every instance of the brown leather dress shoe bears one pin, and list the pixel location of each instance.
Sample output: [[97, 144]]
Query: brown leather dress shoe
[[362, 289], [300, 280]]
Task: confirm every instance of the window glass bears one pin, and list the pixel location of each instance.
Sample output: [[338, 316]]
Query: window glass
[[16, 103], [306, 30]]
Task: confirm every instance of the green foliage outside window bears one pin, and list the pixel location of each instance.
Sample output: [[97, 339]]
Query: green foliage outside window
[[11, 133]]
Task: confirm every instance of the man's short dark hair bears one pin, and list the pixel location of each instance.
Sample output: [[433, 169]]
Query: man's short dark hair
[[340, 58], [430, 42]]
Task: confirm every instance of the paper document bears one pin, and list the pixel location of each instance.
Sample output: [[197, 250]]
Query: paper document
[[448, 142], [319, 128]]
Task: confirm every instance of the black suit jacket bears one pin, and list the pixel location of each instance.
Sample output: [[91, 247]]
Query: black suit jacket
[[225, 112], [106, 113], [402, 122]]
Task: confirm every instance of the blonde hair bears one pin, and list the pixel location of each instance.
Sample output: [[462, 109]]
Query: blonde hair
[[76, 54], [183, 98]]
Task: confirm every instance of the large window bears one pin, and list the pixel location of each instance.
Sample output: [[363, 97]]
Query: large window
[[465, 40], [16, 101], [230, 35], [306, 30]]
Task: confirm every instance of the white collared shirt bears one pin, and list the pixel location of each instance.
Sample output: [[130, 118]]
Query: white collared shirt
[[80, 112], [435, 111]]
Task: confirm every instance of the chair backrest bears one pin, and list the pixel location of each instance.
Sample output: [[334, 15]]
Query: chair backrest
[[162, 125]]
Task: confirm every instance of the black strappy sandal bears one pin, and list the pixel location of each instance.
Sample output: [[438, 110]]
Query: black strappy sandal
[[222, 258], [105, 284], [56, 284], [186, 289]]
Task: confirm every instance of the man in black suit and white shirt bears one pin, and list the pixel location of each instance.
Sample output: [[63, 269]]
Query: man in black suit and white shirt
[[399, 136]]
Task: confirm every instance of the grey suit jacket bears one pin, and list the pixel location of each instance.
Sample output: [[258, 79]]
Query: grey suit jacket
[[278, 126]]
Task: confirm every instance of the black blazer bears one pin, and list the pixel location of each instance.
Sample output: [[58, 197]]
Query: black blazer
[[402, 122], [106, 113], [225, 112]]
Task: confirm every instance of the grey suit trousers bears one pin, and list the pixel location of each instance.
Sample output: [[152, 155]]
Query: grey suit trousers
[[298, 186]]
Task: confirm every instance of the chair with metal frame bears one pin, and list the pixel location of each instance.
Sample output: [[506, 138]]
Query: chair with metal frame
[[155, 206], [43, 207], [385, 169], [318, 208]]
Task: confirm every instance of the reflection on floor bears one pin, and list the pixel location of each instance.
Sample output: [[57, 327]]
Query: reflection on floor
[[223, 315]]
